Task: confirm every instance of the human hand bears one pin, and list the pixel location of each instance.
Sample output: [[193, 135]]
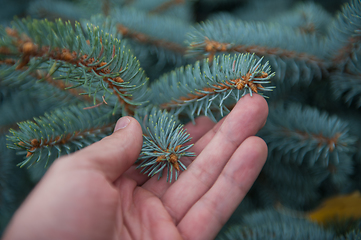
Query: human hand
[[96, 193]]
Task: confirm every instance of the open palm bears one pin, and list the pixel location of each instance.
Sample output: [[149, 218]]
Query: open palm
[[96, 193]]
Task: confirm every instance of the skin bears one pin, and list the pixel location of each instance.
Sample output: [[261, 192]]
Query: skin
[[96, 193]]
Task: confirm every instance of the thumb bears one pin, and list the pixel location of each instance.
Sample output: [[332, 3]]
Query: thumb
[[114, 154]]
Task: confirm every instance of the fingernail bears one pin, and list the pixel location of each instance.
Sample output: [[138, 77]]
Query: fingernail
[[122, 123]]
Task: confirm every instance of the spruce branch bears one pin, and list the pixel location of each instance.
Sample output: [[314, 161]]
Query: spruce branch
[[55, 9], [344, 35], [14, 184], [20, 106], [149, 34], [164, 143], [180, 9], [41, 84], [166, 5], [106, 23], [201, 87], [304, 135], [62, 131], [65, 88], [294, 56], [352, 234], [339, 175], [260, 10], [308, 17], [292, 185], [94, 60], [73, 11], [144, 39], [272, 224], [347, 85]]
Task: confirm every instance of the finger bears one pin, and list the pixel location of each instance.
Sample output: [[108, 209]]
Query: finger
[[245, 120], [205, 139], [202, 125], [217, 205], [196, 131], [112, 155], [202, 142]]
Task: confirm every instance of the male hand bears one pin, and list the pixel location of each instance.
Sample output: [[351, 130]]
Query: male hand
[[96, 193]]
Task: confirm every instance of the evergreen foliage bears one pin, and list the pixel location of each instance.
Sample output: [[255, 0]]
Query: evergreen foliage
[[344, 35], [14, 184], [199, 90], [325, 139], [294, 56], [259, 10], [56, 9], [354, 234], [60, 132], [308, 17], [64, 83], [163, 145], [176, 8], [293, 186], [271, 224], [163, 42], [346, 85]]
